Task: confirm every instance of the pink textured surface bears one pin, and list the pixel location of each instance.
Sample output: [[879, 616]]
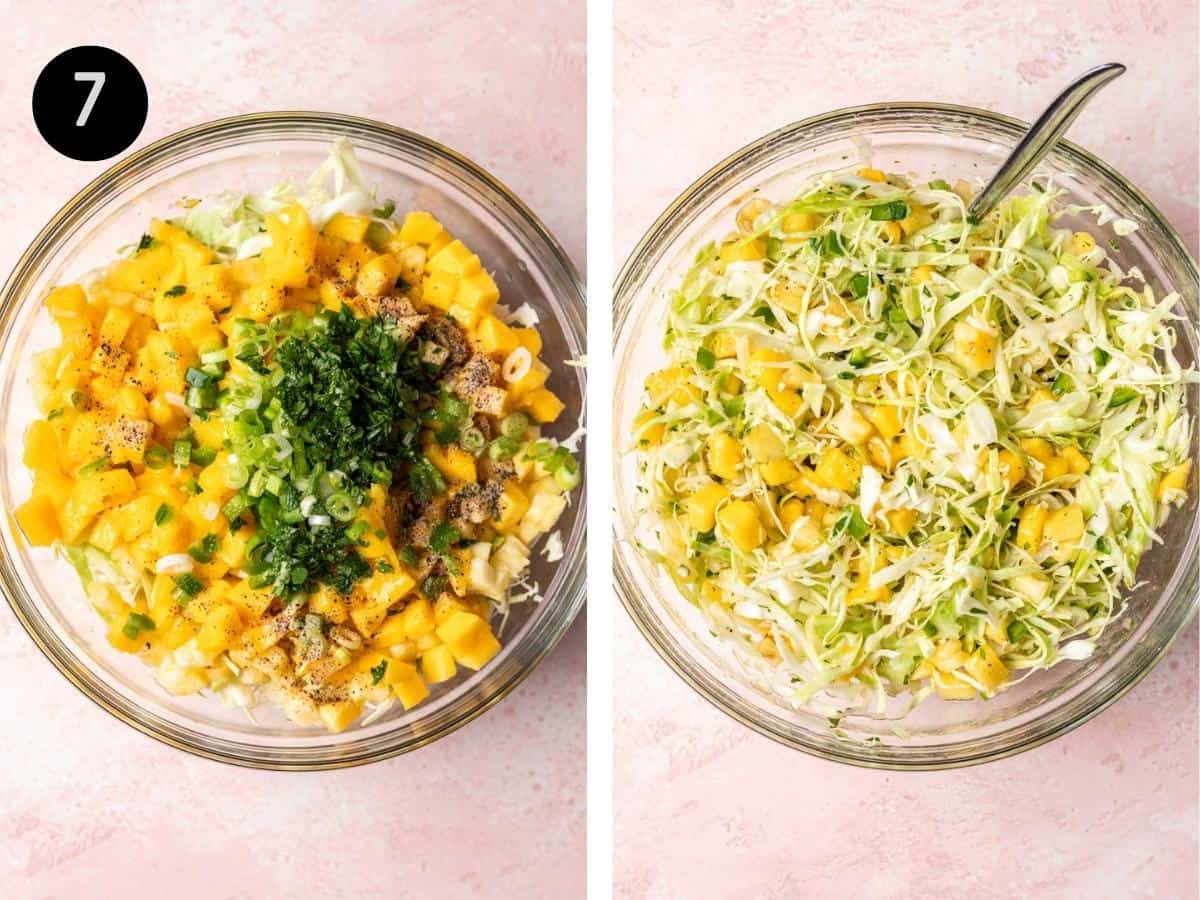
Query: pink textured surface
[[89, 808], [706, 808]]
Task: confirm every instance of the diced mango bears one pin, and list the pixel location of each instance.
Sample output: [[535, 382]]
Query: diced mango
[[1030, 527], [740, 523], [838, 470], [420, 227], [469, 638], [986, 667], [452, 461], [437, 664], [1175, 481], [418, 618], [544, 405], [1064, 527], [701, 506], [724, 455]]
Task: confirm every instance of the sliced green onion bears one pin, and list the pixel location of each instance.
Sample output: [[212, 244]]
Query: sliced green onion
[[514, 425], [472, 440], [340, 506]]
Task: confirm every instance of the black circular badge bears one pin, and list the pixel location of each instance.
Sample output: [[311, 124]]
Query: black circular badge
[[90, 103]]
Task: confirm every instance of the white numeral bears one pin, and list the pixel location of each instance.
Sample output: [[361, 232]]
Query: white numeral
[[97, 79]]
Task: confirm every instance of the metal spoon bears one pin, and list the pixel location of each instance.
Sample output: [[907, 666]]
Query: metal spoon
[[1042, 135]]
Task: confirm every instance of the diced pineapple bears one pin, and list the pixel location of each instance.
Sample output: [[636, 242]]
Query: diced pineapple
[[378, 277], [351, 229], [950, 687], [986, 667], [1034, 586], [544, 405], [1038, 448], [851, 425], [512, 505], [454, 258], [1012, 469], [368, 615], [974, 349], [544, 510], [901, 521]]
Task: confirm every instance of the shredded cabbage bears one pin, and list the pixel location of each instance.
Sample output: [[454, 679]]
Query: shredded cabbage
[[1009, 415], [233, 223]]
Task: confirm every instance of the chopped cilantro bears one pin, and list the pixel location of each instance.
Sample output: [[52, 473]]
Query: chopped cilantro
[[377, 672]]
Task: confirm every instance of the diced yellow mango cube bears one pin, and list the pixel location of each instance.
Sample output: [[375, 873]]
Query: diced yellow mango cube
[[739, 522], [701, 506], [986, 667], [351, 229], [455, 258], [438, 289], [469, 638], [418, 618], [1174, 483], [452, 461], [420, 227], [407, 683], [512, 504], [778, 471], [368, 616], [437, 664], [1064, 527], [544, 405], [837, 469], [221, 627], [38, 519], [337, 716], [378, 277], [495, 338], [477, 292], [724, 455], [1030, 527]]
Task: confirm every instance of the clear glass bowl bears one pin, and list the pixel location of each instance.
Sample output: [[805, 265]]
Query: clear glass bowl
[[254, 152], [929, 141]]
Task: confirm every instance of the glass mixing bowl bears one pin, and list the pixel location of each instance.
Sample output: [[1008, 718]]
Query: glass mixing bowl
[[251, 153], [929, 141]]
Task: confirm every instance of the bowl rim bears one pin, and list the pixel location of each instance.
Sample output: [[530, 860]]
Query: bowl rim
[[683, 663], [574, 591]]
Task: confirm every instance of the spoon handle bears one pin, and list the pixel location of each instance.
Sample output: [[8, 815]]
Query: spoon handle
[[1042, 135]]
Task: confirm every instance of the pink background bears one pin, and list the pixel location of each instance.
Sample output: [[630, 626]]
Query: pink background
[[706, 808], [90, 808]]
